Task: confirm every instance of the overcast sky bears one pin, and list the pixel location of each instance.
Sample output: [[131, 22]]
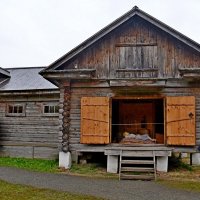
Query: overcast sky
[[38, 32]]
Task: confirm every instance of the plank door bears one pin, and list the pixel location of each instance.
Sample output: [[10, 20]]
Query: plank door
[[95, 120], [180, 120]]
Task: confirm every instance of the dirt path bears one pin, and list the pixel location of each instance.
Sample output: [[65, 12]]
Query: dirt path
[[106, 188]]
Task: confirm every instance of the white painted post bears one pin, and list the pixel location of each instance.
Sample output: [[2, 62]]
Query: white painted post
[[112, 164], [195, 158], [162, 163], [65, 160]]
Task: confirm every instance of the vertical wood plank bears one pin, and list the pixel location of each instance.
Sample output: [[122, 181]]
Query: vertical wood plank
[[180, 120], [95, 120]]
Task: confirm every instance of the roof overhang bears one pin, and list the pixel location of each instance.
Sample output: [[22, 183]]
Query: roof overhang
[[4, 73], [67, 75]]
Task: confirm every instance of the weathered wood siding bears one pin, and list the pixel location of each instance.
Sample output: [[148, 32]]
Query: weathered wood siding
[[127, 60], [135, 45], [33, 135], [77, 93]]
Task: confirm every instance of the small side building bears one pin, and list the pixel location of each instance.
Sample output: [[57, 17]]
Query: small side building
[[29, 119]]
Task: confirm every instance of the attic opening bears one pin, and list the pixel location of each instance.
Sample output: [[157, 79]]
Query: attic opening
[[137, 121]]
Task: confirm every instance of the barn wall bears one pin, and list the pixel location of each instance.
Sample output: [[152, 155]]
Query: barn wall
[[77, 93], [136, 44], [33, 135]]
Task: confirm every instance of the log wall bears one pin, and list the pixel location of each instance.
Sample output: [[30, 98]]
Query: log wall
[[34, 135], [77, 93]]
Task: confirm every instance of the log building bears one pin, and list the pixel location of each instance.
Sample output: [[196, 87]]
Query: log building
[[130, 89], [136, 76], [29, 107]]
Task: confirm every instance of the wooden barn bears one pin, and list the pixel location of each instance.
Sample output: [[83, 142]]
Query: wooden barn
[[29, 118], [130, 89]]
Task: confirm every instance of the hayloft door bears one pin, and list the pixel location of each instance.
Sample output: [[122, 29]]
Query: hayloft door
[[180, 120], [95, 120]]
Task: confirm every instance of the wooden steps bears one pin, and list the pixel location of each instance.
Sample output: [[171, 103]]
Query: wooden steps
[[137, 165]]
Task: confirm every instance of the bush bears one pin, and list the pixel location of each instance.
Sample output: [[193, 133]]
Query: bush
[[176, 162]]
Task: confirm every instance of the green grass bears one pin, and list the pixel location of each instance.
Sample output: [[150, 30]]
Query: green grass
[[91, 170], [30, 164], [18, 192], [40, 165], [85, 169], [193, 186]]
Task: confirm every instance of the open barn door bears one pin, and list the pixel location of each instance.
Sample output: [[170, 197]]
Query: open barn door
[[95, 120], [180, 120]]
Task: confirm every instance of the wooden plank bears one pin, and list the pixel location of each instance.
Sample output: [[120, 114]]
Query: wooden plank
[[134, 44], [137, 169], [137, 162], [137, 70], [137, 153], [180, 120], [95, 120]]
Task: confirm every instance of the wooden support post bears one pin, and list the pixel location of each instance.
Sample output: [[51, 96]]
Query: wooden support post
[[66, 119]]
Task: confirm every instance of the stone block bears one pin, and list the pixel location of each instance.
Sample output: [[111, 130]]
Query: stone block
[[112, 164], [65, 160], [162, 163], [195, 158]]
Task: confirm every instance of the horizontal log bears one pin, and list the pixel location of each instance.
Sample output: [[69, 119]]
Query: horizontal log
[[28, 144], [128, 44], [137, 70]]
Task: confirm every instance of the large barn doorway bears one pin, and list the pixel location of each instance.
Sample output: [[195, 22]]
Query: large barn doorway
[[138, 121]]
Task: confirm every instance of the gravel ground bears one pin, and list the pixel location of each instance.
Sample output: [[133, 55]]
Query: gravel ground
[[105, 188]]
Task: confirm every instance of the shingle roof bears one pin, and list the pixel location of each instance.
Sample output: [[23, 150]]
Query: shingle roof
[[26, 78]]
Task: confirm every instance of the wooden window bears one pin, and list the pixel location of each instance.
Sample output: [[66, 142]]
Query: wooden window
[[15, 110], [180, 120], [95, 120], [50, 109], [138, 61]]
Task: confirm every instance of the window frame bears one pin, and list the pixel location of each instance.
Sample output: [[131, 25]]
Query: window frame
[[15, 106], [50, 105]]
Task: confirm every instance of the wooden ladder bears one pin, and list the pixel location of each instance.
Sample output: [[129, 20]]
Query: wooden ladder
[[137, 165]]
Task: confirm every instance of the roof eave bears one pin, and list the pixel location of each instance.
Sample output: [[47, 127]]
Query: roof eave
[[4, 72]]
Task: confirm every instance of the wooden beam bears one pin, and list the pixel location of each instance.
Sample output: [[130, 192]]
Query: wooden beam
[[137, 70], [147, 83], [135, 44]]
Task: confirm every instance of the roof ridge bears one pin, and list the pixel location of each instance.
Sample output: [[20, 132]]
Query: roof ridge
[[34, 67]]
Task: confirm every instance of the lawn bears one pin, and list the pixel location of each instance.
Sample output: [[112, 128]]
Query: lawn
[[40, 165], [18, 192], [182, 179], [186, 177], [30, 164]]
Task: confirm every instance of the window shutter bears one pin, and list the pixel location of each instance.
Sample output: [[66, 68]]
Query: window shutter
[[180, 120], [95, 120]]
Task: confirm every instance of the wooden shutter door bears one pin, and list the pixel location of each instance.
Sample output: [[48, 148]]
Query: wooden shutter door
[[180, 120], [95, 120]]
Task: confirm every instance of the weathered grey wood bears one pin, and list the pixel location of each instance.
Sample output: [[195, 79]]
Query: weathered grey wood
[[137, 169], [34, 135], [135, 44], [137, 70], [139, 44]]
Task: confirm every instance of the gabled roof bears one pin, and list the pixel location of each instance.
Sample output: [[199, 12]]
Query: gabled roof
[[133, 12], [27, 78]]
